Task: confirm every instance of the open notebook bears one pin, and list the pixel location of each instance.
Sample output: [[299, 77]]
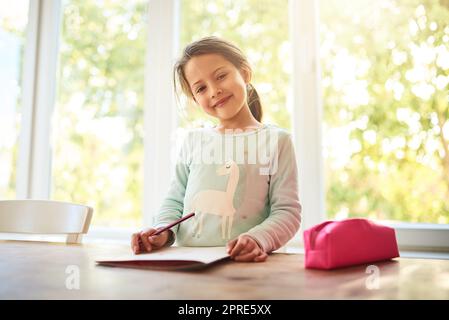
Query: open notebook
[[172, 258]]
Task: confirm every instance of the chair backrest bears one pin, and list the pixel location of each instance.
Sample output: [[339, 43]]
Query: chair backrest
[[45, 217]]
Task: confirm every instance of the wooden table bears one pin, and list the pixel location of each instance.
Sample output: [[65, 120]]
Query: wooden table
[[37, 270]]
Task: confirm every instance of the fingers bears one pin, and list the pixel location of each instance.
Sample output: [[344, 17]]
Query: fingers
[[248, 256], [261, 258], [246, 249], [144, 241], [159, 240], [242, 242], [250, 246], [144, 235], [231, 245], [135, 243], [257, 256]]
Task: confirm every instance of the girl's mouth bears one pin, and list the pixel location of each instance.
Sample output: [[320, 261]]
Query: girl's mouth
[[222, 102]]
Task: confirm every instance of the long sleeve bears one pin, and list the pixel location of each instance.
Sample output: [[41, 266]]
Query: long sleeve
[[173, 204], [285, 215]]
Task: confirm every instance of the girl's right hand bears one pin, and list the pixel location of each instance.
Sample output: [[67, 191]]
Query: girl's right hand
[[144, 241]]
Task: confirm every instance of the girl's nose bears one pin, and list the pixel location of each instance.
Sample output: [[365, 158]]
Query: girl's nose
[[216, 92]]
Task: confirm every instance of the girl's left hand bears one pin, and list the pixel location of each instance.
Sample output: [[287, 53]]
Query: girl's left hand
[[246, 249]]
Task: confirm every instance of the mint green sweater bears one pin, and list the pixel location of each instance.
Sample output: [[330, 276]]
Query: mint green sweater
[[236, 183]]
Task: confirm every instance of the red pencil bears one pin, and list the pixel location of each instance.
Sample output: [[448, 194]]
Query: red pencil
[[169, 226], [173, 224]]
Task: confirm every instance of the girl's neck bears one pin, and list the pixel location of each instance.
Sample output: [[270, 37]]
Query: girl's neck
[[243, 120]]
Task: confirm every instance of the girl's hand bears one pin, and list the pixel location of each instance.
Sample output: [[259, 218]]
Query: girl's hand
[[246, 249], [144, 241]]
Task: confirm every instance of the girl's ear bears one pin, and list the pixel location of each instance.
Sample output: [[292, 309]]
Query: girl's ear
[[246, 74]]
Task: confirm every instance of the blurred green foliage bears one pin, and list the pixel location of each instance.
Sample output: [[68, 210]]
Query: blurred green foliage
[[385, 69], [98, 127]]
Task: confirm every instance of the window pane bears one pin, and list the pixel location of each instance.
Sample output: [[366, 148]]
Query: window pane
[[98, 127], [386, 132], [260, 29], [13, 23]]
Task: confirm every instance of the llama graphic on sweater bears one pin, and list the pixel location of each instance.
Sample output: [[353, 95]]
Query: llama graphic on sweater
[[215, 202]]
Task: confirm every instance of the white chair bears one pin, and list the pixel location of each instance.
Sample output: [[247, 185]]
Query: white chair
[[45, 217]]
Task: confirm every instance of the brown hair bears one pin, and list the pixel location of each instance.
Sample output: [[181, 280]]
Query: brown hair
[[227, 50]]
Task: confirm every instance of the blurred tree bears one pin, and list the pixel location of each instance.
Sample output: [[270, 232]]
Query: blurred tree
[[385, 85], [98, 128]]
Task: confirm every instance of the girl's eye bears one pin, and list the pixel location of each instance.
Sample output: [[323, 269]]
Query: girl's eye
[[221, 76], [200, 89]]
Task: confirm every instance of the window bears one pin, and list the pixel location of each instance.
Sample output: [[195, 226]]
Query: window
[[384, 79], [13, 23], [260, 29], [385, 75], [98, 123]]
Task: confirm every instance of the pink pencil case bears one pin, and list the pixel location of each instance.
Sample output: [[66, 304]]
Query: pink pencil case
[[334, 244]]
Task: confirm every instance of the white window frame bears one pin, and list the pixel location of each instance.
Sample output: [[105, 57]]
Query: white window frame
[[160, 115], [39, 87], [306, 117]]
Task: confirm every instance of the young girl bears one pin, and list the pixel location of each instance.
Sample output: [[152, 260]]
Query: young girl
[[250, 205]]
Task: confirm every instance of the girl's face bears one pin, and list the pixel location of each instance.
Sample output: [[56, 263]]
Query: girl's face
[[217, 85]]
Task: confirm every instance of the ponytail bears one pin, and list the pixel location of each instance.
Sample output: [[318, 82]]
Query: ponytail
[[254, 102]]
